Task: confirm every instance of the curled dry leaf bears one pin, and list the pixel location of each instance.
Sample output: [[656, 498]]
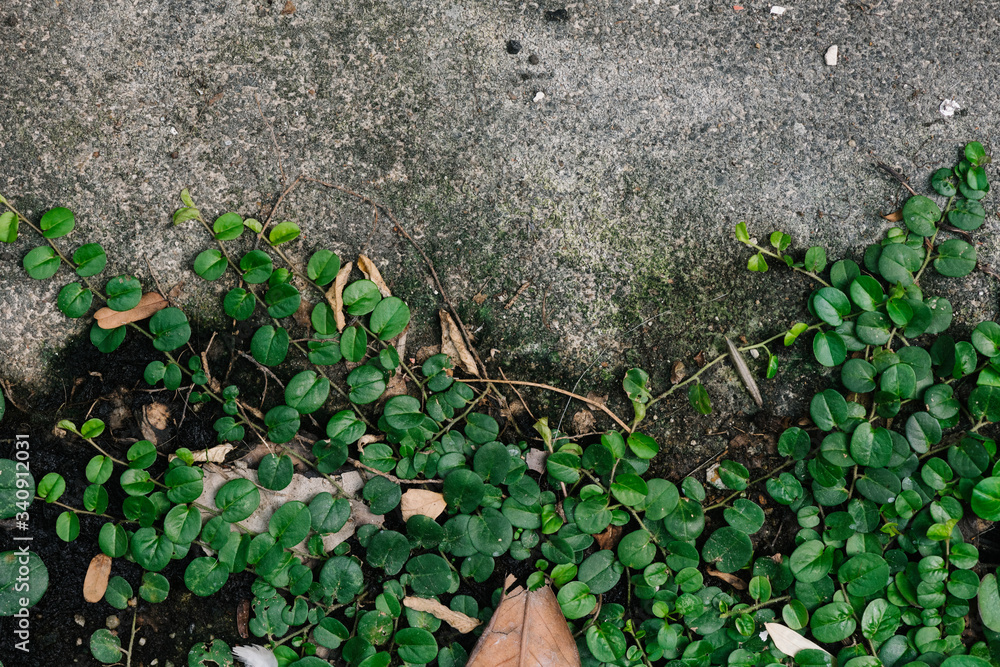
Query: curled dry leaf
[[895, 216], [455, 619], [289, 8], [583, 422], [678, 372], [788, 641], [744, 372], [527, 629], [96, 581], [396, 387], [371, 273], [479, 298], [730, 579], [609, 537], [421, 501], [536, 460], [453, 345], [150, 303], [335, 295]]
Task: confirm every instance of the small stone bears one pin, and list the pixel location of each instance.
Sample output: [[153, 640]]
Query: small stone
[[80, 620], [539, 96], [112, 622], [79, 641], [175, 155], [831, 56], [949, 107], [533, 59], [513, 47], [777, 11], [142, 641], [228, 142], [755, 354], [852, 143]]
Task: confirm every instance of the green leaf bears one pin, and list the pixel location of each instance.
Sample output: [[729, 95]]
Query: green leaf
[[986, 338], [237, 499], [989, 602], [239, 303], [290, 523], [728, 549], [416, 646], [382, 495], [68, 526], [866, 293], [205, 576], [698, 398], [269, 345], [491, 532], [757, 263], [90, 259], [389, 318], [815, 260], [182, 524], [367, 384], [833, 622], [41, 262], [871, 447], [741, 233], [185, 484], [307, 391], [576, 600], [843, 273], [57, 222], [210, 264], [637, 549], [151, 550], [780, 240], [354, 344], [283, 233], [986, 499], [873, 328], [361, 297], [734, 475], [481, 428], [124, 293], [811, 561], [323, 267], [955, 258], [858, 376], [629, 489], [745, 516], [921, 215], [942, 183], [105, 646], [897, 262], [865, 574], [186, 213], [282, 300], [429, 574], [154, 587], [275, 472], [967, 214], [794, 332], [74, 300], [170, 329], [606, 642], [257, 267], [643, 446], [829, 348], [228, 226], [831, 305], [8, 227], [107, 340], [984, 403]]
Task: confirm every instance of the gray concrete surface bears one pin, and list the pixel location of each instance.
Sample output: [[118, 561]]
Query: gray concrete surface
[[605, 162]]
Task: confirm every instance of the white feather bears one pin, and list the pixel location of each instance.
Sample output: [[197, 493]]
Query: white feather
[[255, 656]]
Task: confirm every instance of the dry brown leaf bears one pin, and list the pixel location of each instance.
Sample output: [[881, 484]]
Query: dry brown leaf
[[289, 8], [216, 454], [678, 372], [528, 629], [335, 295], [583, 422], [96, 581], [455, 619], [421, 501], [788, 641], [150, 303], [895, 216], [302, 313], [243, 618], [536, 460], [595, 400], [744, 372], [453, 345], [396, 387], [479, 299], [155, 423], [730, 579], [371, 273], [700, 359], [609, 537]]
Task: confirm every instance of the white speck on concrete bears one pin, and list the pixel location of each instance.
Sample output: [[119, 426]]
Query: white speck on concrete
[[831, 56], [949, 107], [539, 96], [777, 11]]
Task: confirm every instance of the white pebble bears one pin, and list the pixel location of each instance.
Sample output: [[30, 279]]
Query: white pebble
[[831, 55], [948, 108], [777, 11], [539, 96]]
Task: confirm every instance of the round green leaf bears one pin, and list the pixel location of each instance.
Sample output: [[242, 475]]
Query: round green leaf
[[637, 549], [831, 305], [323, 267], [829, 348], [833, 622], [124, 293], [154, 587], [74, 300], [956, 258], [228, 226], [113, 540], [729, 549], [105, 646], [41, 262], [361, 297], [210, 264], [275, 472], [283, 233], [745, 516], [382, 494], [858, 376], [239, 303], [205, 576], [921, 215], [290, 523], [811, 561], [898, 261], [170, 329], [865, 574], [68, 526], [237, 499], [429, 574], [282, 300], [416, 646], [491, 532], [57, 222], [8, 227], [967, 214], [354, 344], [151, 550], [986, 499], [306, 392], [269, 345], [576, 600], [90, 259], [389, 318], [257, 267], [606, 642]]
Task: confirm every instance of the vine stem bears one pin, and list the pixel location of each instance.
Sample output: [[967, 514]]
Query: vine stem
[[759, 605], [798, 269], [631, 511], [930, 249], [564, 392], [724, 502]]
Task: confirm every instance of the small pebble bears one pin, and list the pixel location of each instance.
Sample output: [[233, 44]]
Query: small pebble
[[831, 55], [533, 59], [539, 96], [949, 107], [80, 620], [852, 143], [228, 142], [777, 11], [513, 47], [175, 155], [142, 641], [112, 622], [79, 641]]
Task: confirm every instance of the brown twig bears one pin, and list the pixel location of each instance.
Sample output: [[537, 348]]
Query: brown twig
[[391, 478], [518, 293], [895, 174], [548, 387], [519, 397], [277, 151], [274, 209]]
